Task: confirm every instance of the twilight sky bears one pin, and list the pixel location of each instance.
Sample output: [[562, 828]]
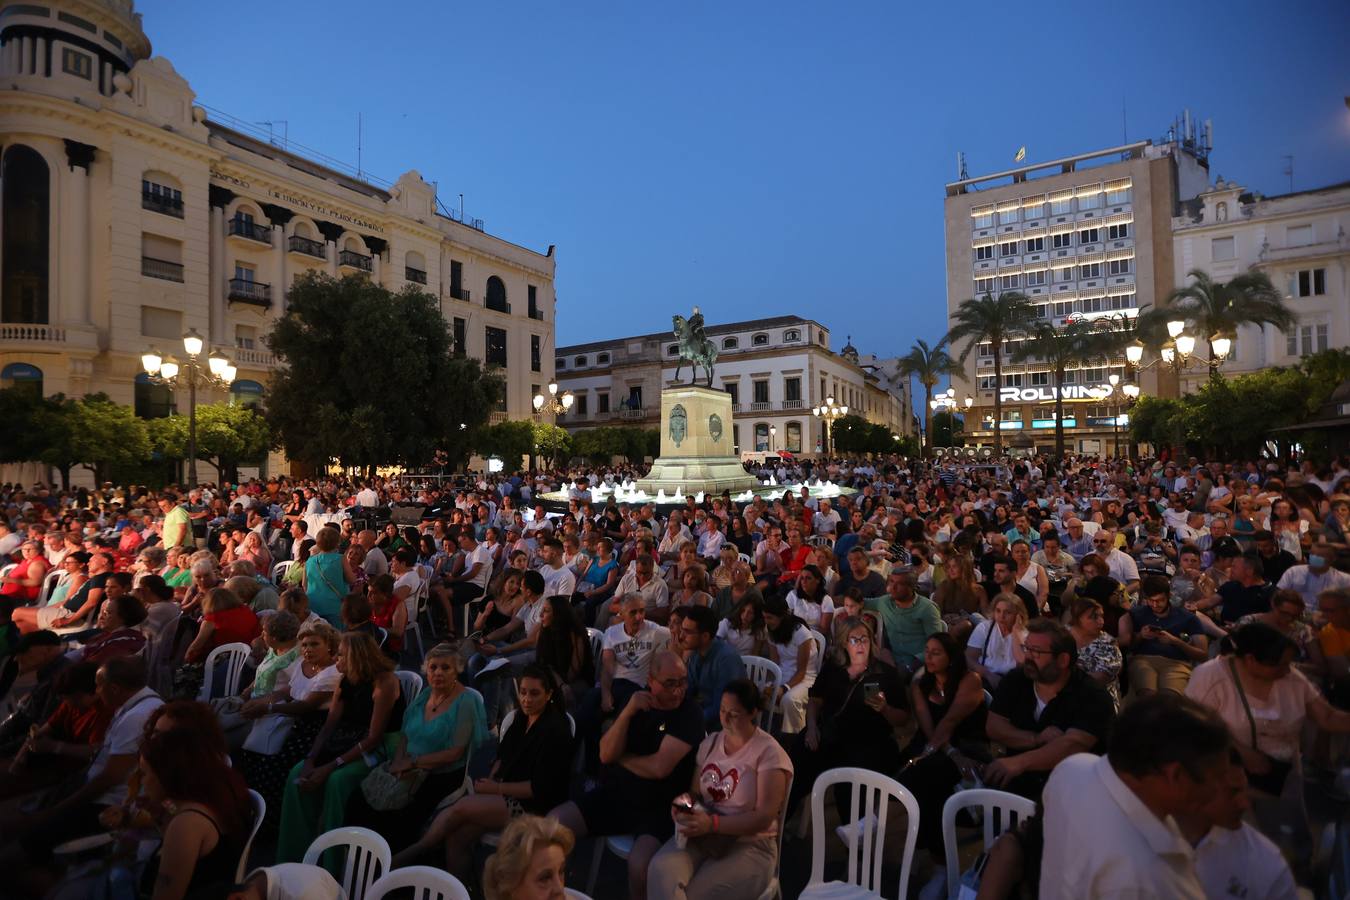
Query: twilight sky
[[760, 158]]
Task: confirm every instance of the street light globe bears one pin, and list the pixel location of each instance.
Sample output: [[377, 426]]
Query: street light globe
[[150, 361], [553, 387], [1113, 378], [1185, 345], [217, 363], [829, 400], [934, 404], [168, 368], [1134, 353], [538, 401], [970, 401], [815, 410], [192, 342], [1175, 328], [1222, 346], [773, 429], [843, 410], [1168, 354], [1131, 390], [227, 374], [567, 400]]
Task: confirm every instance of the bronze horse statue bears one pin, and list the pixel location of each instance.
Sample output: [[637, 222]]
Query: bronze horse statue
[[694, 346]]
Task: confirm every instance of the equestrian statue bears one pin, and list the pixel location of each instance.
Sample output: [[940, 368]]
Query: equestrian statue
[[694, 346]]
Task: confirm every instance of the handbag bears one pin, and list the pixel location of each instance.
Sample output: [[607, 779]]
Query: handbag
[[1271, 782], [268, 734], [385, 791]]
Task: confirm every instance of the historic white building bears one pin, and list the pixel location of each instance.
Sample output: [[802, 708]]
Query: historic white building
[[1300, 240], [775, 369], [130, 216]]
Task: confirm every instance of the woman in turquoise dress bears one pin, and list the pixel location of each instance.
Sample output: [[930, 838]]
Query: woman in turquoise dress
[[328, 577]]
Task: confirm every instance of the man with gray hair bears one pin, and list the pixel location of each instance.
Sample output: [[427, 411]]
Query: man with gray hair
[[907, 619], [376, 562]]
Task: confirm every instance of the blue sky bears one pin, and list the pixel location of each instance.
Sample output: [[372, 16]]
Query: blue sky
[[760, 158]]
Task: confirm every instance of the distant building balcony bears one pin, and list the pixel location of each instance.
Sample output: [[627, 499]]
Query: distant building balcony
[[161, 268], [243, 291], [416, 276], [459, 293], [31, 333], [794, 404], [249, 231], [307, 247], [633, 414], [248, 356], [161, 203], [761, 406], [353, 260]]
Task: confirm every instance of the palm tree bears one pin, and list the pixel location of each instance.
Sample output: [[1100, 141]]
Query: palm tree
[[929, 365], [992, 319], [1221, 307], [1077, 342]]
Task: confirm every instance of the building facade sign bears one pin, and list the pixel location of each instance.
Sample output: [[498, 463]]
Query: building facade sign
[[309, 206], [1038, 394]]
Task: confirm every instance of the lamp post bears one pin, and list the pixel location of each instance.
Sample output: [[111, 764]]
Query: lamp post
[[1124, 395], [218, 373], [553, 403], [773, 433], [828, 413], [947, 401]]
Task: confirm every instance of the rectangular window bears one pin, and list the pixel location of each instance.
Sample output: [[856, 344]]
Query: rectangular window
[[1060, 241], [1311, 282], [245, 336], [1309, 338], [1117, 194], [244, 272], [1089, 236], [1034, 245], [1063, 308], [1012, 415], [984, 285], [635, 396], [985, 349], [1040, 379], [761, 392], [1041, 310], [1007, 216], [734, 389], [1223, 248], [1092, 270], [792, 389], [1061, 206], [984, 218], [985, 252], [1007, 248], [1321, 332], [602, 403], [1014, 380], [1036, 279], [1119, 266], [494, 341], [1070, 376], [1298, 235], [1009, 282], [76, 63], [536, 362], [165, 324], [986, 382], [459, 329], [457, 280], [1034, 211], [579, 405], [1064, 274], [534, 302], [1089, 201], [1118, 232]]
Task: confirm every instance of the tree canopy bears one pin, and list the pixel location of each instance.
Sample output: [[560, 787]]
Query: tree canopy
[[227, 435], [369, 377]]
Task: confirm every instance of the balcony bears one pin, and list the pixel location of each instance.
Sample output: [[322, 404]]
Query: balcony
[[497, 416], [34, 333], [161, 268], [416, 276], [794, 404], [249, 231], [537, 314], [735, 408], [353, 260], [244, 291], [459, 293], [307, 247], [500, 306], [761, 406], [169, 206], [631, 414], [260, 359]]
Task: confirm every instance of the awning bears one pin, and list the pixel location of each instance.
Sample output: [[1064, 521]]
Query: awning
[[1317, 424]]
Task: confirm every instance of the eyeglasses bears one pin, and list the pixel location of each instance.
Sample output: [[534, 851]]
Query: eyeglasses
[[1035, 651], [858, 640]]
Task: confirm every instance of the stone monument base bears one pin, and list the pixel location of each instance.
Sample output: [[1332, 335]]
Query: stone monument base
[[697, 451]]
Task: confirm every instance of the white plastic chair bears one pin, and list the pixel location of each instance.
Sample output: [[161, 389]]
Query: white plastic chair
[[621, 845], [259, 813], [747, 559], [235, 656], [819, 540], [868, 811], [821, 643], [1002, 811], [597, 639], [49, 583], [409, 684], [427, 884], [280, 569], [367, 857], [575, 895], [767, 676]]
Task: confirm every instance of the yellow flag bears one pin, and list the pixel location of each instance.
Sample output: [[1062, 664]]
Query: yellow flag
[[1021, 154]]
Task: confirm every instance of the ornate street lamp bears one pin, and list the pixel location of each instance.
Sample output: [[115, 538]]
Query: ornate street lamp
[[828, 413], [218, 372]]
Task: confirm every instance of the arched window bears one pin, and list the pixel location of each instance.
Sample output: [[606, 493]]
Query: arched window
[[23, 377], [579, 361], [161, 193], [792, 335], [761, 436], [1221, 212], [794, 437], [602, 359], [673, 350], [247, 394], [730, 343], [759, 340], [26, 220], [153, 401], [496, 295], [303, 229]]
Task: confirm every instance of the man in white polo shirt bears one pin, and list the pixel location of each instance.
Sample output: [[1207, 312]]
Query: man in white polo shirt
[[558, 578], [1109, 826]]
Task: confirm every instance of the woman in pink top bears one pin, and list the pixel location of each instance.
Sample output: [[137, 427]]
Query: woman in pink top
[[726, 840]]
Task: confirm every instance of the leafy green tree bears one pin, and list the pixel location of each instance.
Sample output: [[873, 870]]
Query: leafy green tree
[[992, 319], [948, 429], [25, 443], [94, 432], [1218, 308], [510, 442], [368, 377], [1076, 343], [929, 365], [227, 435], [552, 442]]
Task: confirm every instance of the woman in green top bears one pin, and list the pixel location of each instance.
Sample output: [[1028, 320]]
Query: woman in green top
[[441, 728], [327, 577], [175, 574]]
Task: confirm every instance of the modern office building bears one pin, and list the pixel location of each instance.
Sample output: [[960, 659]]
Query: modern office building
[[1300, 240], [131, 215], [775, 369], [1085, 236]]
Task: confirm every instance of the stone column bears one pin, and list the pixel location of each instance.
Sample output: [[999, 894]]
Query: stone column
[[40, 57], [74, 248], [280, 282], [218, 275]]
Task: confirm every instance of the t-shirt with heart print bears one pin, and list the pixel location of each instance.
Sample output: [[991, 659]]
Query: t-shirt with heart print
[[728, 783]]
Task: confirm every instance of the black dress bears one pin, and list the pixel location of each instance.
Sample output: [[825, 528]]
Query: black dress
[[932, 779]]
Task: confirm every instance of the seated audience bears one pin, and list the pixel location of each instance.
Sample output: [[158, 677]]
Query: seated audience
[[792, 646], [1098, 653], [743, 627], [995, 646], [712, 662], [530, 862]]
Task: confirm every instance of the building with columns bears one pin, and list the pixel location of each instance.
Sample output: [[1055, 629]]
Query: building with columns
[[776, 369], [130, 215]]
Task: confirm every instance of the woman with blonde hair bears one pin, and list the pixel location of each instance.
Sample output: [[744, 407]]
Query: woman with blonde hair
[[995, 646], [205, 576], [530, 862], [366, 708]]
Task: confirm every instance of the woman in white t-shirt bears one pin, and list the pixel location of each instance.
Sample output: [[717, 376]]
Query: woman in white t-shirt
[[407, 581], [995, 646], [743, 628], [809, 602], [794, 649], [727, 844]]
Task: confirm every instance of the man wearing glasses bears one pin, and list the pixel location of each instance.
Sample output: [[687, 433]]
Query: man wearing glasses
[[1079, 543], [1122, 566], [1045, 711]]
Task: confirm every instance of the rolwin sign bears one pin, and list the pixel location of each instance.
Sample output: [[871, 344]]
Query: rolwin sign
[[1037, 394]]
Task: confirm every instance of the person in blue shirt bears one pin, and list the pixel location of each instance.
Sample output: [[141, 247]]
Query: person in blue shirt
[[712, 662], [1022, 531]]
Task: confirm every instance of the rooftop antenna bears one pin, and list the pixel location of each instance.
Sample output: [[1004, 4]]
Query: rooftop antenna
[[461, 206], [359, 126], [1124, 130], [1289, 170], [961, 174], [285, 132]]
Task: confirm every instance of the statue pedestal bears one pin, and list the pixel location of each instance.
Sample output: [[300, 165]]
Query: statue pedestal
[[697, 451]]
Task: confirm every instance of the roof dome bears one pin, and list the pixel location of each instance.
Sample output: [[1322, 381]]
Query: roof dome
[[849, 352]]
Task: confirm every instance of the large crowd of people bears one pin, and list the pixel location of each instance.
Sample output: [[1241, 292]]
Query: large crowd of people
[[1157, 653]]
